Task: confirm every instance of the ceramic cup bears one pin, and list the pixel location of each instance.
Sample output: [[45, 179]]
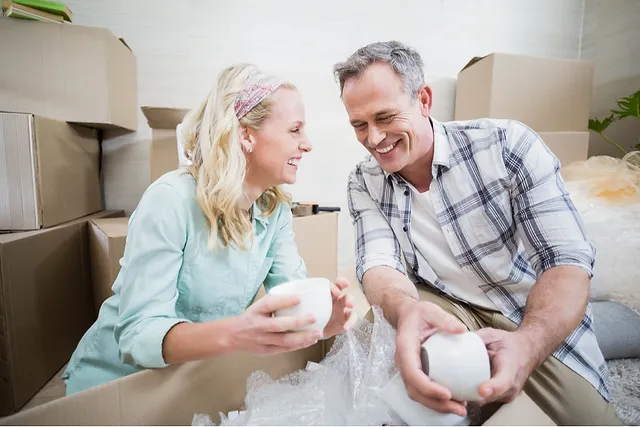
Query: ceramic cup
[[459, 362], [394, 394], [315, 298]]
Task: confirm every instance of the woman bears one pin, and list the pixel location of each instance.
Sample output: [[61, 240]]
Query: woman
[[204, 239]]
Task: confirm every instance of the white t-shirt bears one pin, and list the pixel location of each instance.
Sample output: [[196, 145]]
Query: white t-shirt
[[431, 243]]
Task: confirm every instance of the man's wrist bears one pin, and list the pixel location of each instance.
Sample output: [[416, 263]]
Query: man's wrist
[[403, 306], [532, 340]]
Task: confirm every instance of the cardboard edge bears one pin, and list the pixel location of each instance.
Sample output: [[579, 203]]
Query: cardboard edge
[[35, 167], [5, 350], [473, 61], [163, 117]]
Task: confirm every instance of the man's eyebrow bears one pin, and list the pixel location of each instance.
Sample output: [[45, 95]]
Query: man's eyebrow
[[385, 112]]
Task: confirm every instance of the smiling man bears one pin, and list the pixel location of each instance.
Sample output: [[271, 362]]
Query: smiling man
[[467, 225]]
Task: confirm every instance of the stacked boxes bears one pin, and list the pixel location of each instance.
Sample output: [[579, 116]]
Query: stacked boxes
[[64, 88], [552, 96]]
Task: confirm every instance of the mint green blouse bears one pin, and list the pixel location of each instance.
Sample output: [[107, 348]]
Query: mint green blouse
[[168, 275]]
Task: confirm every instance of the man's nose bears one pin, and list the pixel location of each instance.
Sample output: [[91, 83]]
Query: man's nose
[[376, 136]]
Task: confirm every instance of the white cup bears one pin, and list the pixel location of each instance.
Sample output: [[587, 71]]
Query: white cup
[[315, 299], [459, 362]]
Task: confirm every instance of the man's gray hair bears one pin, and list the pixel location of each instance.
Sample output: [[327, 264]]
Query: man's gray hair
[[404, 60]]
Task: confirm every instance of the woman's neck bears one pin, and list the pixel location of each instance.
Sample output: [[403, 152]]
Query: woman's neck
[[252, 191]]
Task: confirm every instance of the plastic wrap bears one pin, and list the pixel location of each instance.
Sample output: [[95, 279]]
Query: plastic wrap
[[341, 390], [606, 192]]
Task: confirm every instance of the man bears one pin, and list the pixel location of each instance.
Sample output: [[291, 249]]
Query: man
[[467, 225]]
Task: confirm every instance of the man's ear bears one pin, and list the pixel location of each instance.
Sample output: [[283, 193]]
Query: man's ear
[[425, 99]]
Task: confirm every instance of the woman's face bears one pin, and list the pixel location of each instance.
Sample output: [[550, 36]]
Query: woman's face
[[277, 147]]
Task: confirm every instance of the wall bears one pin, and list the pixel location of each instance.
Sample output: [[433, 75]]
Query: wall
[[181, 46], [611, 37]]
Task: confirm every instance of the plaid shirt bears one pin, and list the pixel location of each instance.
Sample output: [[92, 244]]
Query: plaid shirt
[[504, 211]]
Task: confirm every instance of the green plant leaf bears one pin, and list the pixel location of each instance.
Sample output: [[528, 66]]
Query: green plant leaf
[[629, 106], [600, 125]]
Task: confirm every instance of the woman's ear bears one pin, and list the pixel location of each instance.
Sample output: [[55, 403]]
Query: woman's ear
[[246, 140]]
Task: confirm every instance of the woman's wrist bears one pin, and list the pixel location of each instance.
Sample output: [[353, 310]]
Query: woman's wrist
[[187, 342]]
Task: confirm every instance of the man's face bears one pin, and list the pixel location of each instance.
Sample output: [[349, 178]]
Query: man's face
[[389, 123]]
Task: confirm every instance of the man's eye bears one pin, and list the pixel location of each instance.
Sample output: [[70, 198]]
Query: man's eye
[[360, 126], [385, 119]]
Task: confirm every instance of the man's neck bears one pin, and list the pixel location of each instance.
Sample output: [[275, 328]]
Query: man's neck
[[418, 174]]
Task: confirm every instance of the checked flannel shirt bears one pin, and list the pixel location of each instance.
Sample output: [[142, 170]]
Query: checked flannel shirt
[[504, 211]]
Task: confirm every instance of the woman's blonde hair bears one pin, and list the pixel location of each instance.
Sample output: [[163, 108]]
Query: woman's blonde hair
[[210, 135]]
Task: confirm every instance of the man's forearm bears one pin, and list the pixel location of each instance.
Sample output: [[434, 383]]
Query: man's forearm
[[389, 289], [554, 308]]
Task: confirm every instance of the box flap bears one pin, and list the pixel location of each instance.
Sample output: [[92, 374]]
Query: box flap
[[473, 61], [112, 227], [164, 117], [169, 396]]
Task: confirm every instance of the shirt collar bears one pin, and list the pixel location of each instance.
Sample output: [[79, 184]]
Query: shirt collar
[[441, 149], [259, 215]]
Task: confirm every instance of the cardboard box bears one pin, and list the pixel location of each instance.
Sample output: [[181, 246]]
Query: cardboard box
[[568, 147], [163, 156], [68, 72], [172, 396], [107, 237], [316, 237], [549, 95], [45, 305], [49, 174]]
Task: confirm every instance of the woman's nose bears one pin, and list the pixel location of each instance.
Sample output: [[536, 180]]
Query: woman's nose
[[305, 145]]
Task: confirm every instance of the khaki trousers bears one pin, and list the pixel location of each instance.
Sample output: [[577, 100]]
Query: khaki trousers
[[566, 397]]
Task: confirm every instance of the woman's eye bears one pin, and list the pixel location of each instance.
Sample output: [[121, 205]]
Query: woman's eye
[[296, 130]]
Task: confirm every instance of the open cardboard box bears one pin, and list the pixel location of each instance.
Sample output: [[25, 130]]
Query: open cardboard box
[[171, 396]]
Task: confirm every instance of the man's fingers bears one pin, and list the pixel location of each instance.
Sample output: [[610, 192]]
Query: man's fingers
[[488, 335], [442, 320], [442, 406], [270, 303], [421, 384], [498, 385]]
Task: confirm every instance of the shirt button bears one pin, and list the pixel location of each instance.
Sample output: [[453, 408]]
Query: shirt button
[[405, 229], [406, 192]]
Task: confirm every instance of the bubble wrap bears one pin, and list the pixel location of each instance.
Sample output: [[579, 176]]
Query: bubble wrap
[[341, 390]]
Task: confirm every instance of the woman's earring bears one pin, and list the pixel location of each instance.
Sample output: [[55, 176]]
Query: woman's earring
[[250, 149]]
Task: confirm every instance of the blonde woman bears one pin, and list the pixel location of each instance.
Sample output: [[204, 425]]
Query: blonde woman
[[203, 239]]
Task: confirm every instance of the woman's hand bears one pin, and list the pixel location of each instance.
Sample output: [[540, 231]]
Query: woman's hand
[[343, 317], [256, 331]]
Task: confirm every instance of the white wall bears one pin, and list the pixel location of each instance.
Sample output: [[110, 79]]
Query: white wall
[[611, 37], [181, 45]]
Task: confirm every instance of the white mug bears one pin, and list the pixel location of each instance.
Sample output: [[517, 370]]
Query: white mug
[[315, 299], [459, 362]]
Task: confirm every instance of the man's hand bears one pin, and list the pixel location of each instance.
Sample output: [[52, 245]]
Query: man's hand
[[417, 320], [513, 358]]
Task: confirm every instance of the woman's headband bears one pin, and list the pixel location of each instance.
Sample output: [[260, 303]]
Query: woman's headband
[[256, 88]]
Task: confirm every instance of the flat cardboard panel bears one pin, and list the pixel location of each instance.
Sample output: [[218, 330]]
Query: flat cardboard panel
[[46, 304], [547, 94], [163, 153], [107, 239], [19, 198], [68, 72], [568, 147], [52, 175], [317, 239]]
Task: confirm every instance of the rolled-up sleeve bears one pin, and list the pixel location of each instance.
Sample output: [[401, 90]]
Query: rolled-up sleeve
[[287, 263], [546, 218], [375, 243], [147, 282]]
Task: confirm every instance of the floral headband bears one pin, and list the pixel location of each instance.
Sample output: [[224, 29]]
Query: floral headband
[[256, 88]]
